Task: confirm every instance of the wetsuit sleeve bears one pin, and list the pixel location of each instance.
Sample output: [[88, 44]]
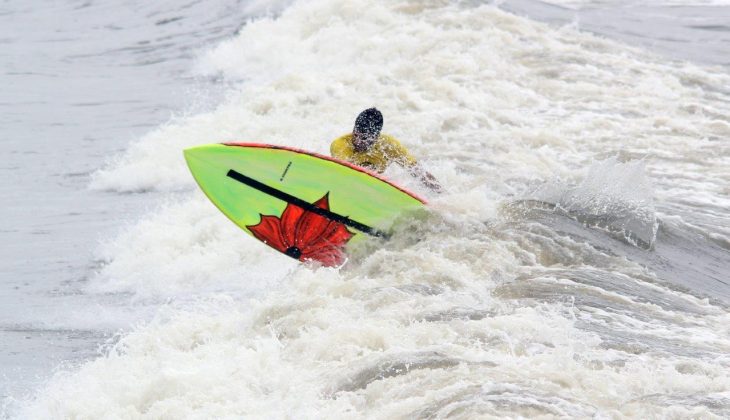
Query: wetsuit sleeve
[[339, 148], [399, 154]]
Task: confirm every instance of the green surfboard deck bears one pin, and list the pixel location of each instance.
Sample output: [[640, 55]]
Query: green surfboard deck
[[247, 181]]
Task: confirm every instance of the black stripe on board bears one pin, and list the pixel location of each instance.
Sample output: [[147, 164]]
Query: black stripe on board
[[281, 195]]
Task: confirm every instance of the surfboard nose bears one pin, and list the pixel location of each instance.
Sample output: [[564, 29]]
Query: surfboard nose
[[192, 153], [201, 156]]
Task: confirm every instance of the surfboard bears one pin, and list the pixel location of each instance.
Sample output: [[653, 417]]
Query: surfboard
[[305, 205]]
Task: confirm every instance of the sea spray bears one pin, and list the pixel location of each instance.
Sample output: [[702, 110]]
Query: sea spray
[[615, 196]]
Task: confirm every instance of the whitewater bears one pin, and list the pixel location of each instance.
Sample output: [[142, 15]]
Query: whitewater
[[576, 266]]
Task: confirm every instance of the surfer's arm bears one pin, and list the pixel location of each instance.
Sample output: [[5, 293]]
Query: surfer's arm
[[401, 156]]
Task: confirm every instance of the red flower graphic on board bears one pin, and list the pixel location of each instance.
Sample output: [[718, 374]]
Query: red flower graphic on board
[[304, 235]]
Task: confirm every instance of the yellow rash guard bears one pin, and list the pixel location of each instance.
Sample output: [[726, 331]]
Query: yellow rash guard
[[385, 150]]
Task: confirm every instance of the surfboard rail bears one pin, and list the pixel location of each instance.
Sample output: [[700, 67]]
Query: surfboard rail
[[331, 159]]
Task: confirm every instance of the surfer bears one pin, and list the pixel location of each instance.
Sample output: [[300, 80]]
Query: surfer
[[367, 147]]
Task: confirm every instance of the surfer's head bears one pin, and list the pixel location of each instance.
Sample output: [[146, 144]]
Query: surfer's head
[[367, 129]]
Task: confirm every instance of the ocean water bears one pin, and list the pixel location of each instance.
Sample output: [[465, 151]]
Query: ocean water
[[577, 265]]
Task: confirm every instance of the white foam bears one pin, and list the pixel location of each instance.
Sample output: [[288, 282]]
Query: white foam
[[185, 248]]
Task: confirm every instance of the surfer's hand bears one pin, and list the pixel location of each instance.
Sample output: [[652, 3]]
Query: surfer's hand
[[428, 180]]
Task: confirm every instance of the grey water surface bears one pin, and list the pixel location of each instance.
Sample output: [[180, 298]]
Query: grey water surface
[[78, 81]]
